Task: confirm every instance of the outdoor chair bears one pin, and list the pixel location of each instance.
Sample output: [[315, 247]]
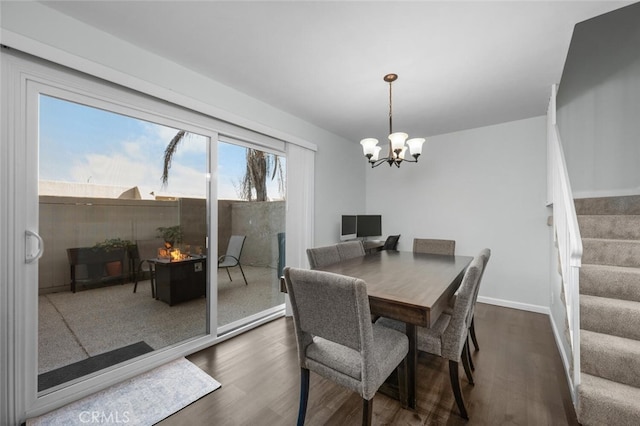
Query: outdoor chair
[[232, 258], [147, 250], [337, 340]]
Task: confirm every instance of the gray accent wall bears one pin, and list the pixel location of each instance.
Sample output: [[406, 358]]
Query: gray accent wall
[[598, 105]]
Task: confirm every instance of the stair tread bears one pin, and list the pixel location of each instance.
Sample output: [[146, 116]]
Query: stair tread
[[627, 269], [616, 240], [604, 401]]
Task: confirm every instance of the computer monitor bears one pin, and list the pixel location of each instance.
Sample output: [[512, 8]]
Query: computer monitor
[[348, 229], [369, 225]]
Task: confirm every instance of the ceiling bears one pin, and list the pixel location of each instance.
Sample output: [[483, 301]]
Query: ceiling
[[461, 65]]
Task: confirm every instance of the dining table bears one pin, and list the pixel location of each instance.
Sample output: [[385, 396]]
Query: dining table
[[414, 288]]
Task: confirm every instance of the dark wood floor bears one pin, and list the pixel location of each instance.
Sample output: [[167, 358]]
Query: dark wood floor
[[519, 381]]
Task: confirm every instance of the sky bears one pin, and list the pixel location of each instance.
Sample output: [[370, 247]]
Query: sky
[[82, 144]]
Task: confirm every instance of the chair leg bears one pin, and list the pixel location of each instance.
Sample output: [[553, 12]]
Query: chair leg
[[367, 411], [304, 395], [228, 273], [455, 385], [403, 371], [152, 280], [473, 368], [465, 363], [472, 330], [245, 278]]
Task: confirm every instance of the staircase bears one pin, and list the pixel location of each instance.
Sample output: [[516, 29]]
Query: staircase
[[610, 311]]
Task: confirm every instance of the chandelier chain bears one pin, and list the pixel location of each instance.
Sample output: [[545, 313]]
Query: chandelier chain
[[390, 109]]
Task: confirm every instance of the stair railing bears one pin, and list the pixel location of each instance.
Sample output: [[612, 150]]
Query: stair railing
[[567, 236]]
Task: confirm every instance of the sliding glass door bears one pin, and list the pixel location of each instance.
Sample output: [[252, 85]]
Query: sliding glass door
[[251, 209], [120, 199], [87, 218]]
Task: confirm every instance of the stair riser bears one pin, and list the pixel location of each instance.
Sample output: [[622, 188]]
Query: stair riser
[[609, 205], [621, 367], [623, 227], [611, 252], [610, 319], [615, 284]]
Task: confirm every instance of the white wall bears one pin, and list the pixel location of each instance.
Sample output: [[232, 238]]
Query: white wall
[[39, 30], [484, 187]]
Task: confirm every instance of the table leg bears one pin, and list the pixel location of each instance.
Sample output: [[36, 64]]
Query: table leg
[[412, 362]]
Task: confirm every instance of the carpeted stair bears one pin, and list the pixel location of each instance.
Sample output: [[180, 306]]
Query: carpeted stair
[[610, 311]]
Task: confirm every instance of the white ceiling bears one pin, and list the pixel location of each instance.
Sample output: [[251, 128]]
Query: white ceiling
[[460, 64]]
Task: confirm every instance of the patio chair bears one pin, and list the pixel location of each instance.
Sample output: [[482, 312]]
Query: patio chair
[[147, 250], [232, 258]]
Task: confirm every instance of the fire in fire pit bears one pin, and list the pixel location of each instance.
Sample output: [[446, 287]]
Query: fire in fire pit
[[173, 254]]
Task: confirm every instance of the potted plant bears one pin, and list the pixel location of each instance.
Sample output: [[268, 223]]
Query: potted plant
[[114, 250]]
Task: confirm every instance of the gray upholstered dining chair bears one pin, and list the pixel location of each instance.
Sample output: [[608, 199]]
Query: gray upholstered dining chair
[[232, 257], [485, 254], [350, 249], [448, 336], [337, 340], [433, 246], [321, 256]]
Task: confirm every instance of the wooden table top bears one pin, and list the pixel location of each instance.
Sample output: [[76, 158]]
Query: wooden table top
[[410, 287]]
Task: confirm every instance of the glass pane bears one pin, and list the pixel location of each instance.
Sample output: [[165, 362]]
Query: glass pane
[[104, 210], [251, 208]]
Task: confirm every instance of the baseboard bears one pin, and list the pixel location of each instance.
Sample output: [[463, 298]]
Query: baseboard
[[515, 305]]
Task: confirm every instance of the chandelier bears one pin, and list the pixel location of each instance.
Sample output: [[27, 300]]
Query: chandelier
[[397, 147]]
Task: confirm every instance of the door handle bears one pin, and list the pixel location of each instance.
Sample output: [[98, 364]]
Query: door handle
[[32, 257]]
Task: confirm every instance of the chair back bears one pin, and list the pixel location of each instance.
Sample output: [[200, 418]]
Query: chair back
[[236, 243], [331, 306], [148, 249], [321, 256], [484, 254], [433, 246], [350, 249], [391, 243], [234, 250], [455, 336]]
